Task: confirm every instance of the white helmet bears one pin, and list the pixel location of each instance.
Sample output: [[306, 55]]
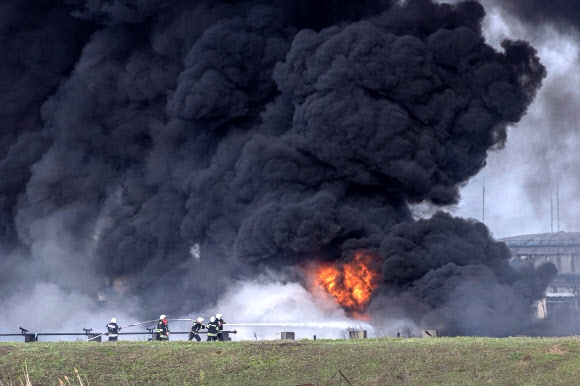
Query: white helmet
[[219, 316], [162, 317], [200, 320], [212, 319], [113, 320]]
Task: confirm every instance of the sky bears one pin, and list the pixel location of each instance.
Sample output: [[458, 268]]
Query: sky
[[200, 167], [538, 165]]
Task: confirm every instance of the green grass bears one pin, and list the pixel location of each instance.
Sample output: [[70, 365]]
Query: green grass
[[365, 362]]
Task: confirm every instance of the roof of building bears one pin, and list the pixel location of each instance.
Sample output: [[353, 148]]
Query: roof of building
[[559, 295], [557, 243]]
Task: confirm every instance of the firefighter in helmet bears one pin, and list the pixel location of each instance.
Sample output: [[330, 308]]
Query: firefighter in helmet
[[212, 329], [112, 330], [194, 333], [221, 322], [162, 329]]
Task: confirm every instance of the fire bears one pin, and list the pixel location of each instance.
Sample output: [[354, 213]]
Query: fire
[[352, 284]]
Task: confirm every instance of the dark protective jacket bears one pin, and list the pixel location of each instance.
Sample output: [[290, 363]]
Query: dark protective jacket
[[213, 328], [113, 329], [221, 323], [162, 330], [196, 327]]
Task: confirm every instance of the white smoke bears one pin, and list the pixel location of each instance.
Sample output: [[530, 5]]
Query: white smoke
[[49, 308], [264, 307]]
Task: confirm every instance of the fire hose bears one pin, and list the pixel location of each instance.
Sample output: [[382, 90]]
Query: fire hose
[[120, 328], [149, 321]]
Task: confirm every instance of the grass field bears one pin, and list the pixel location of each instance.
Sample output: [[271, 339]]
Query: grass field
[[365, 362]]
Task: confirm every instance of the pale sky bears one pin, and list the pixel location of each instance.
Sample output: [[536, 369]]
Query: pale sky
[[541, 154]]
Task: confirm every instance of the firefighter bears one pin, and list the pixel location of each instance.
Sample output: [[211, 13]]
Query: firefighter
[[221, 322], [212, 329], [195, 329], [162, 329], [112, 330]]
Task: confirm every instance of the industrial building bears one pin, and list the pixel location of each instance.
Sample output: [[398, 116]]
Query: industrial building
[[562, 300], [560, 248]]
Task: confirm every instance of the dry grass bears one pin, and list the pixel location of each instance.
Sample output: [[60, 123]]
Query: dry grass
[[369, 362], [66, 382]]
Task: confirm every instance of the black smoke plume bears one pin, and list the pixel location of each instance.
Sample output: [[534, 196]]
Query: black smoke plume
[[265, 133]]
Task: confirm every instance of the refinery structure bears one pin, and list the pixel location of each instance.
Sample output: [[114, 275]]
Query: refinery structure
[[563, 293]]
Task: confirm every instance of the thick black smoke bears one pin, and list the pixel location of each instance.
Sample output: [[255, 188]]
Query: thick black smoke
[[267, 133]]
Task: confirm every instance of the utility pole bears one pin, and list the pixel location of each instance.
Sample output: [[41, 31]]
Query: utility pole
[[558, 204], [558, 222], [483, 203], [551, 211]]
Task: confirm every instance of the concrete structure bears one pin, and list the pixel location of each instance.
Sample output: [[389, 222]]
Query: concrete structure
[[430, 334], [286, 335], [357, 334]]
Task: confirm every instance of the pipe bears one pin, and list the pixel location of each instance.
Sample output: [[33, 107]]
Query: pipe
[[105, 333]]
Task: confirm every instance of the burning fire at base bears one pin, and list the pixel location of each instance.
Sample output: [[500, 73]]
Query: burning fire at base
[[351, 284]]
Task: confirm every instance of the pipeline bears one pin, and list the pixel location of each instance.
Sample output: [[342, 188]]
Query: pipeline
[[264, 324], [154, 320], [120, 333], [87, 331]]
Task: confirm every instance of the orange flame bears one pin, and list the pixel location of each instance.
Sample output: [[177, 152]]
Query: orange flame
[[352, 284]]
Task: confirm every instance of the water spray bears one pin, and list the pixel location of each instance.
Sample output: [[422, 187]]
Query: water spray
[[291, 324]]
